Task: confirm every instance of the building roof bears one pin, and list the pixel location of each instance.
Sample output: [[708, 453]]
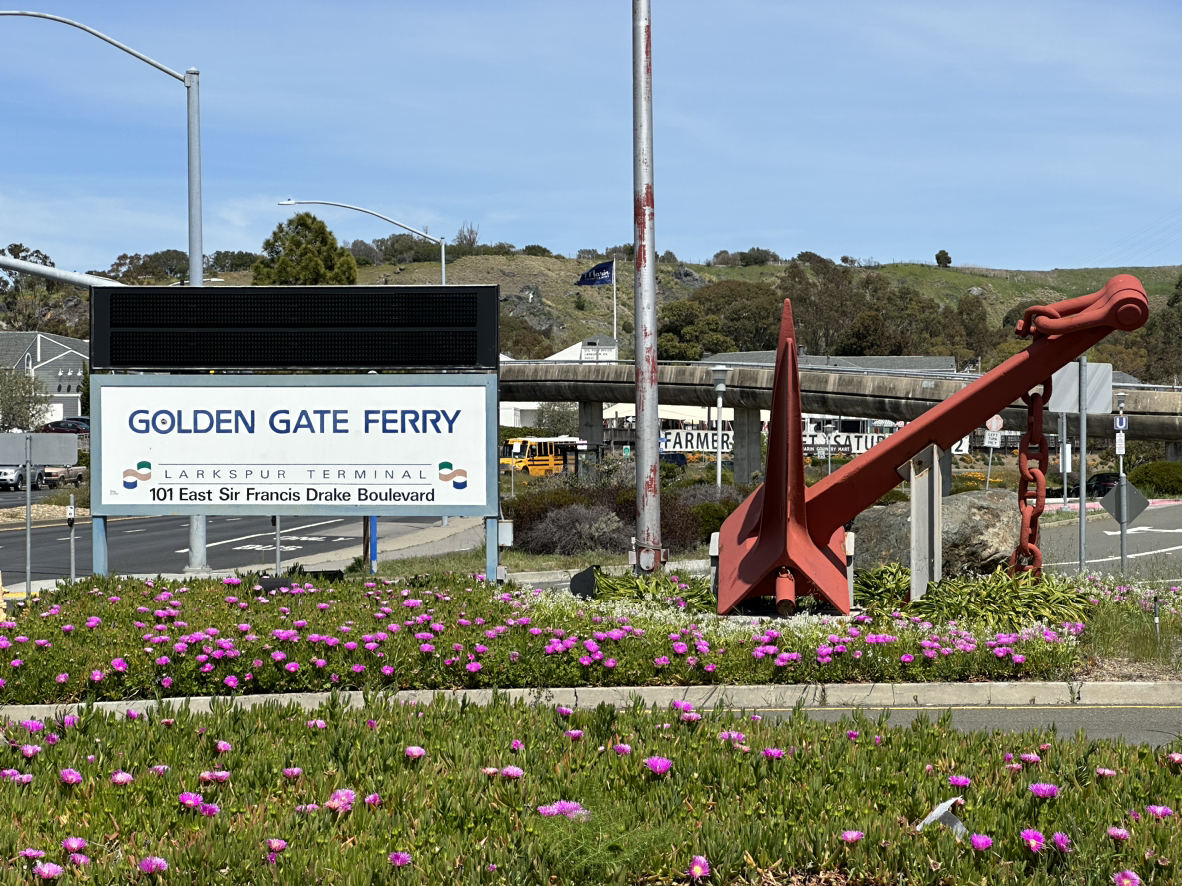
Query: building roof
[[14, 346]]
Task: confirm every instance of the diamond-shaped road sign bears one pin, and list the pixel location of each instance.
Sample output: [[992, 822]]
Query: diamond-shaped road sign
[[1135, 501]]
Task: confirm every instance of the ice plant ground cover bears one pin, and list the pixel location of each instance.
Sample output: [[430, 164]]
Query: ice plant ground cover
[[446, 793], [125, 639]]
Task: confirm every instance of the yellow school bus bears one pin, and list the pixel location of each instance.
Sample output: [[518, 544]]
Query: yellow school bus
[[540, 456]]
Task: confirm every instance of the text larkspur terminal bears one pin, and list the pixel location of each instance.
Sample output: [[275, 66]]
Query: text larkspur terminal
[[282, 421]]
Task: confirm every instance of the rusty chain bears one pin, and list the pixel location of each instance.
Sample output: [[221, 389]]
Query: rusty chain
[[1027, 557]]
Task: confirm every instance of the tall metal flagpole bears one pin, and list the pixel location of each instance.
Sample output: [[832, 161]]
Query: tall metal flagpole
[[615, 335], [648, 492]]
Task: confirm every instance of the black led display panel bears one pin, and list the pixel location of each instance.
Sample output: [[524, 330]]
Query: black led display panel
[[170, 328]]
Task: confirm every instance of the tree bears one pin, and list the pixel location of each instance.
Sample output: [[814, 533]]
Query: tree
[[943, 259], [225, 261], [26, 298], [302, 251], [538, 250], [558, 419], [468, 235], [84, 390], [24, 403], [364, 253]]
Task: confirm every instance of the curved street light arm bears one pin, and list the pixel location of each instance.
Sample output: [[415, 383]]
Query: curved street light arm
[[442, 243], [65, 21]]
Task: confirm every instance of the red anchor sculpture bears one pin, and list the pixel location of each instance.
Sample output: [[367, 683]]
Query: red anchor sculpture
[[788, 540]]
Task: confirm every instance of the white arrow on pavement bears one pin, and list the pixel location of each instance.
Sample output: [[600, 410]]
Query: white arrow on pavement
[[1142, 529]]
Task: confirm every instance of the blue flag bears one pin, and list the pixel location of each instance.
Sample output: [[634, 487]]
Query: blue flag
[[599, 275]]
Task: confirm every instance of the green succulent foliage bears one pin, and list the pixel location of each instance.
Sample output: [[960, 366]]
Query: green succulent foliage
[[995, 602], [302, 251], [758, 819], [689, 594]]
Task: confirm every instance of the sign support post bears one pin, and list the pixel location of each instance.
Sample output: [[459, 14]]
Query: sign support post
[[1083, 464], [28, 515], [992, 440], [1120, 424]]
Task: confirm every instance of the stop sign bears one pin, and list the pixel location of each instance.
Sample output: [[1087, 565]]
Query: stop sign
[[994, 424]]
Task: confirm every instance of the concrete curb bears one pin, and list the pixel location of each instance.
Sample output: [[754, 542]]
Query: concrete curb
[[832, 696]]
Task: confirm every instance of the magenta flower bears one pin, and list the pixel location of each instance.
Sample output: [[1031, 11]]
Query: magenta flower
[[980, 842], [224, 747], [71, 776], [773, 753], [399, 859], [274, 844], [1159, 811], [153, 865], [32, 853], [906, 658], [191, 800], [79, 859], [1044, 791], [1062, 841], [47, 870], [30, 750], [73, 844], [231, 682], [574, 734], [622, 749], [119, 665], [159, 769], [512, 772], [852, 836], [1031, 758], [473, 666], [209, 810], [516, 745], [564, 712], [414, 752], [373, 800], [293, 772], [1034, 840], [1118, 834], [568, 808], [699, 868], [341, 800], [959, 781], [1105, 773], [658, 765], [1126, 878], [121, 778]]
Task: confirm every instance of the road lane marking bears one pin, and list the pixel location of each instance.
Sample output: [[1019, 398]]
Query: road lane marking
[[134, 530], [1075, 562], [229, 541]]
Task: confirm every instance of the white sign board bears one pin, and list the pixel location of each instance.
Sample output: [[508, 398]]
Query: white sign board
[[1120, 442], [993, 439], [365, 445], [1065, 389], [856, 444], [696, 441]]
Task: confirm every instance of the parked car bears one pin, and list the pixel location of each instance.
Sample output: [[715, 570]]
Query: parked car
[[63, 476], [13, 476], [66, 426], [1098, 485]]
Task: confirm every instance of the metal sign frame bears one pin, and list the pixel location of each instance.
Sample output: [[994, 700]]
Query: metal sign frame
[[487, 381]]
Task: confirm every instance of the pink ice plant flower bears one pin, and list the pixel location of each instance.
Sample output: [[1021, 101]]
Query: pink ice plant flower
[[1062, 841], [1120, 835], [121, 778], [71, 776], [658, 765], [699, 868], [568, 808], [1159, 811], [980, 842], [153, 864], [1034, 840], [415, 752], [852, 836], [1044, 791], [47, 870], [399, 859], [959, 781], [1126, 878]]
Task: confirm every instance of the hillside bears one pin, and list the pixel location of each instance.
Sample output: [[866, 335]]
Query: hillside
[[539, 293]]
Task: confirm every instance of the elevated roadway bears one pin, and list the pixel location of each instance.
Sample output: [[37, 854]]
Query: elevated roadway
[[1153, 414]]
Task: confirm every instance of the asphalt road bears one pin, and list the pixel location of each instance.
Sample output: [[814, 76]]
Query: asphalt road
[[151, 545], [1154, 545], [12, 499], [1136, 724]]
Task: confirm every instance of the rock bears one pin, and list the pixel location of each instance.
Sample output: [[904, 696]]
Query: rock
[[980, 531], [687, 277], [976, 290]]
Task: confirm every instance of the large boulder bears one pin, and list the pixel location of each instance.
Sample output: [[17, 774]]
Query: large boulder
[[980, 531]]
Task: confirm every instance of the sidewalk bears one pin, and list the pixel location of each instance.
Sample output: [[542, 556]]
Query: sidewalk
[[778, 697]]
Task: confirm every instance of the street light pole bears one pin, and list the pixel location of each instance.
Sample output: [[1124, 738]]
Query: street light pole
[[442, 243], [829, 428], [719, 373], [192, 80]]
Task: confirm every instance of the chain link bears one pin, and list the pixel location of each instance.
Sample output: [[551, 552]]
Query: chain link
[[1027, 557]]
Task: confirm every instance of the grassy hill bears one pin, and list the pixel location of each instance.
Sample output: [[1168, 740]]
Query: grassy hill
[[541, 291]]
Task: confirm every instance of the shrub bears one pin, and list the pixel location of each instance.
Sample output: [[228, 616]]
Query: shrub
[[699, 492], [1164, 476], [711, 515], [535, 506], [575, 529]]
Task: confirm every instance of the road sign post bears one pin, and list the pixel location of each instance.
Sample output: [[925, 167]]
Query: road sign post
[[992, 441], [1120, 423]]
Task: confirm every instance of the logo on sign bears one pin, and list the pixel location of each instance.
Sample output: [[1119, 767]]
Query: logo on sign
[[141, 473], [1120, 422], [458, 477]]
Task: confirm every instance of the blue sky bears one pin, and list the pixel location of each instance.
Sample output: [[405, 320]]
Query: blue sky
[[1013, 134]]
